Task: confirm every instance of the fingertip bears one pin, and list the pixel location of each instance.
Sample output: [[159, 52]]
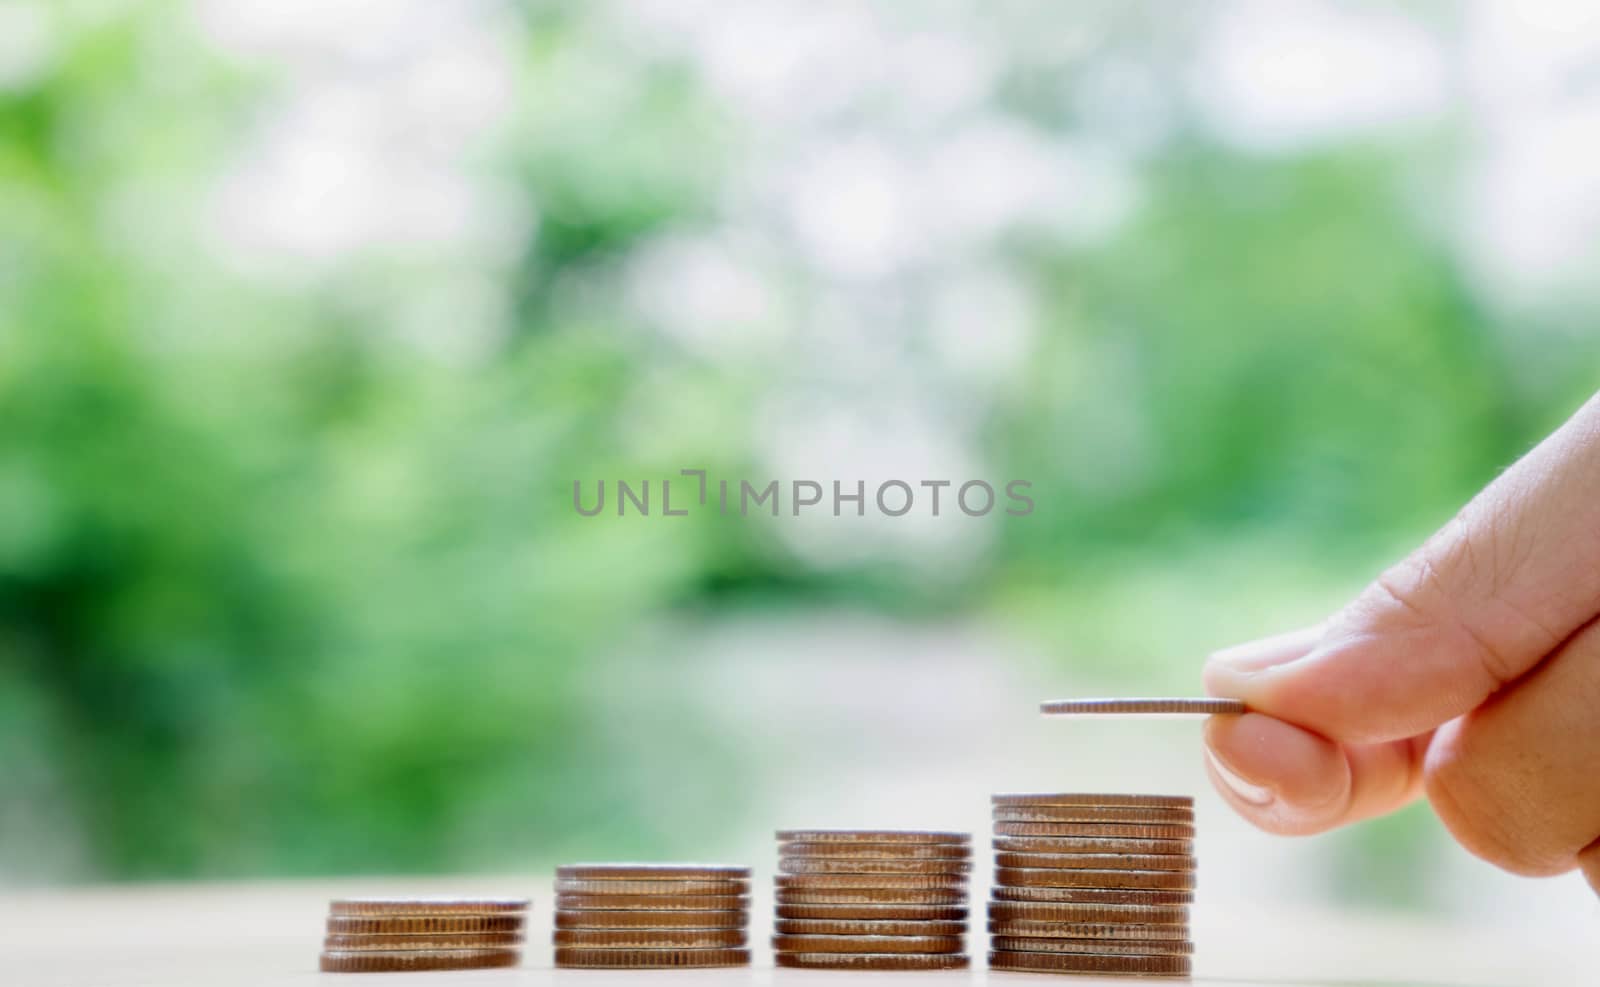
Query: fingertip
[[1282, 778], [1248, 796], [1589, 861], [1221, 679], [1235, 672], [1226, 682], [1252, 656]]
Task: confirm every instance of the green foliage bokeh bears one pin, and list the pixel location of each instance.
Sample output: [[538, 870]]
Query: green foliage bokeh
[[280, 593]]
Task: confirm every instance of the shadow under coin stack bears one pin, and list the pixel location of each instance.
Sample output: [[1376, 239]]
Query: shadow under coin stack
[[1093, 884], [650, 916], [378, 935], [872, 900]]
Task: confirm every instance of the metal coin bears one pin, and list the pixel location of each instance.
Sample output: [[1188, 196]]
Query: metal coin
[[870, 836], [905, 882], [869, 944], [1103, 947], [400, 944], [871, 896], [1069, 930], [1136, 831], [1091, 814], [621, 887], [1103, 896], [650, 938], [422, 925], [1093, 798], [340, 961], [866, 927], [872, 961], [653, 872], [1070, 914], [1096, 861], [426, 906], [1039, 877], [654, 903], [873, 913], [1147, 966], [878, 865], [1143, 707], [1092, 844], [877, 851], [596, 919], [639, 959]]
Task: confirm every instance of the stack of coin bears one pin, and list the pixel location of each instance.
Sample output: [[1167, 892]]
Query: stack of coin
[[872, 899], [374, 935], [1092, 884], [646, 916]]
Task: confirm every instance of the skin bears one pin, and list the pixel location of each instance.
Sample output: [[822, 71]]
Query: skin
[[1469, 673]]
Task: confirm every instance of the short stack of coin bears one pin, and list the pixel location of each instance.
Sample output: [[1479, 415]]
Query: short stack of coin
[[1095, 884], [652, 916], [376, 935], [872, 900]]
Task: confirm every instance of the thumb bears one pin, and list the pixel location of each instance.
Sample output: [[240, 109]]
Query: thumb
[[1482, 602]]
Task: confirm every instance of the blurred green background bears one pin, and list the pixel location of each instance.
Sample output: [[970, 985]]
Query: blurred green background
[[311, 315]]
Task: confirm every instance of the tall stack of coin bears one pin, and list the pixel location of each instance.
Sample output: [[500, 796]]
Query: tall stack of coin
[[646, 916], [373, 935], [1092, 884], [872, 899]]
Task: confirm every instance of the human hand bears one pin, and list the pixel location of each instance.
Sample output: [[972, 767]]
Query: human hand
[[1469, 672]]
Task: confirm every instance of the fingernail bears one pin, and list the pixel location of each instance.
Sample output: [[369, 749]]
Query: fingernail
[[1246, 791], [1253, 656]]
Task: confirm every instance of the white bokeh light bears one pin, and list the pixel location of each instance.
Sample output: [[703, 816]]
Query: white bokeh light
[[1283, 74]]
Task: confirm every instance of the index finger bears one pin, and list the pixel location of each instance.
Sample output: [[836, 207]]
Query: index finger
[[1479, 605]]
